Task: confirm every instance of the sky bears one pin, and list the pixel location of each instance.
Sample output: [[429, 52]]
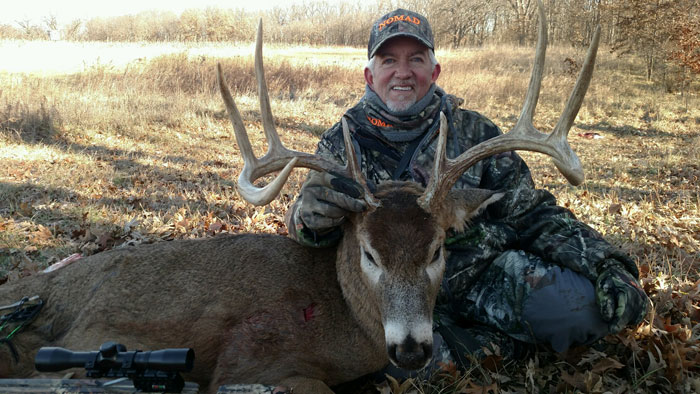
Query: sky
[[66, 11]]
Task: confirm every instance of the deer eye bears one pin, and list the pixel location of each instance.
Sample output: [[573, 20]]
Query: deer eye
[[369, 257], [436, 256]]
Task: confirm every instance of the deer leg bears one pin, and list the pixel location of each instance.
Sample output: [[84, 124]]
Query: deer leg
[[17, 355]]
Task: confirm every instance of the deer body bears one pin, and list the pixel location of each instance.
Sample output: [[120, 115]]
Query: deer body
[[255, 308]]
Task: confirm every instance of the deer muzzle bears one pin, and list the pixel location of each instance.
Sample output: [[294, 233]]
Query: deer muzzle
[[410, 354], [409, 345]]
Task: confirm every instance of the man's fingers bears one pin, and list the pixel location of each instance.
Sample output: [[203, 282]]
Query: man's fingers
[[347, 186], [327, 199], [343, 201], [621, 317], [338, 183], [330, 210], [607, 308]]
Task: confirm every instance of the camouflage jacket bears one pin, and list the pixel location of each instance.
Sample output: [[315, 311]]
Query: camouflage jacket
[[525, 219]]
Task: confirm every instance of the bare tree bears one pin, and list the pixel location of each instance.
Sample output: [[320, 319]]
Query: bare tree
[[72, 30], [9, 32], [643, 27], [523, 12], [31, 31], [457, 20], [51, 22]]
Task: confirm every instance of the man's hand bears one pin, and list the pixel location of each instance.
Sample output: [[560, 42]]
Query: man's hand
[[621, 300], [327, 198]]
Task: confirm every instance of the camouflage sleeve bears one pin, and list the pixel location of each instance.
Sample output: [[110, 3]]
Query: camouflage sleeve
[[295, 226], [543, 228]]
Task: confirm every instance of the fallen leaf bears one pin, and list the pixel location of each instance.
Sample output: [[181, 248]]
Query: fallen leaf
[[577, 380], [399, 388], [473, 388], [614, 208], [42, 234], [26, 209], [215, 227], [492, 362], [606, 364]]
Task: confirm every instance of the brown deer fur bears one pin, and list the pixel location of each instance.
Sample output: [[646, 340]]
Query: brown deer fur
[[242, 301]]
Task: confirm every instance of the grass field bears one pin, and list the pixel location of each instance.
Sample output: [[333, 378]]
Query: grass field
[[134, 146]]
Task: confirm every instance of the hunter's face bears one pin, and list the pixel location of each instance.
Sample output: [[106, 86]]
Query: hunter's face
[[402, 73]]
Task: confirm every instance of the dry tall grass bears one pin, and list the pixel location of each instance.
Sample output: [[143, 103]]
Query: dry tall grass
[[121, 155]]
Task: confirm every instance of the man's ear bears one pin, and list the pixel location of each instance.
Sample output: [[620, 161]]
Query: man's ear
[[463, 204], [436, 72], [369, 78]]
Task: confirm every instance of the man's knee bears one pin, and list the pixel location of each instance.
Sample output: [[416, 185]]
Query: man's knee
[[562, 311]]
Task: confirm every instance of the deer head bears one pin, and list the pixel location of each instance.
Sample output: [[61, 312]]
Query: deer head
[[391, 260]]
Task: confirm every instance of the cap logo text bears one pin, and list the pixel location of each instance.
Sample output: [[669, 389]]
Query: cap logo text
[[378, 122], [397, 18]]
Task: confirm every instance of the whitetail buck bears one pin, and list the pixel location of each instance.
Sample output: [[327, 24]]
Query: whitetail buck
[[262, 309]]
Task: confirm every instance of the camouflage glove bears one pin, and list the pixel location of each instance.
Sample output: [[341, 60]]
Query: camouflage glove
[[327, 198], [621, 300]]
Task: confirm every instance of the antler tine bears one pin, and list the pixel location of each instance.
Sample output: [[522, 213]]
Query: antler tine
[[236, 119], [245, 187], [574, 172], [432, 192], [277, 157], [533, 88], [523, 136], [273, 139], [353, 166]]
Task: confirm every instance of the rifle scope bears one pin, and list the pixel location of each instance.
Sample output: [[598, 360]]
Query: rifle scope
[[113, 356]]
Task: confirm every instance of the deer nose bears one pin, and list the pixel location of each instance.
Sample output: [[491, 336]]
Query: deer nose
[[410, 354]]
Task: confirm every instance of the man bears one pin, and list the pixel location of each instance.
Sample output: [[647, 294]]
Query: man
[[526, 271]]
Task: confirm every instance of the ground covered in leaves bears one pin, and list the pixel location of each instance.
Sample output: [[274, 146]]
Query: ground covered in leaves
[[121, 155]]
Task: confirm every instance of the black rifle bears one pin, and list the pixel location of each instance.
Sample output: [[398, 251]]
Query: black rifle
[[153, 371]]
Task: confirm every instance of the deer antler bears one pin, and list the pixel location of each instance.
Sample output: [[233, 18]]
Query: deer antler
[[278, 157], [523, 136]]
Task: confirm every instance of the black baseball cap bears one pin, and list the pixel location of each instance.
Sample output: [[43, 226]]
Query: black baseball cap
[[397, 23]]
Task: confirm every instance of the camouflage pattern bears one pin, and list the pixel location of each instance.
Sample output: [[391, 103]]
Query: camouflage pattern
[[526, 219], [619, 295], [475, 341]]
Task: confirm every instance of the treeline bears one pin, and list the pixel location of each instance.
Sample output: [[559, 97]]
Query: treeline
[[455, 22], [657, 30]]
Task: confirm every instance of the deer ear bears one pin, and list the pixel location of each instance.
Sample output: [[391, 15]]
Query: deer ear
[[463, 204]]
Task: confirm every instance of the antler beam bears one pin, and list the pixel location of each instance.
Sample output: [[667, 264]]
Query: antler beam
[[277, 157], [523, 136]]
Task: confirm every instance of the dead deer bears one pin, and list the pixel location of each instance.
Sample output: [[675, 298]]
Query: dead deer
[[261, 308]]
